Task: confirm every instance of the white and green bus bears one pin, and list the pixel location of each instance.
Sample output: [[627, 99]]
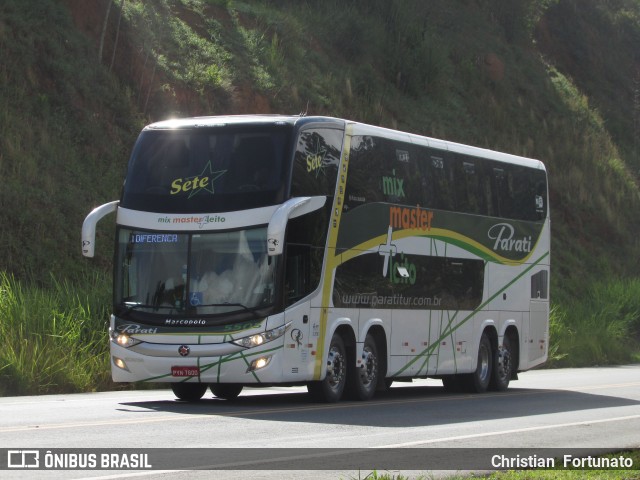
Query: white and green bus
[[286, 250]]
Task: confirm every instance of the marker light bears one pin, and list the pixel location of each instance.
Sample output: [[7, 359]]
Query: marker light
[[260, 338]]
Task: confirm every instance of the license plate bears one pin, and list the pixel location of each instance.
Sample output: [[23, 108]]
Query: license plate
[[185, 371]]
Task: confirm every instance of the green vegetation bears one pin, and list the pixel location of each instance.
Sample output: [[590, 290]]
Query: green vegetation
[[66, 128], [552, 79], [51, 338], [607, 309]]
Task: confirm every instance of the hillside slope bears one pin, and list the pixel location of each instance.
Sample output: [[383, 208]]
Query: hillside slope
[[501, 74]]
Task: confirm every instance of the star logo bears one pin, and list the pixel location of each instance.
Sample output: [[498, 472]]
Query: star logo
[[197, 183], [184, 350], [315, 160]]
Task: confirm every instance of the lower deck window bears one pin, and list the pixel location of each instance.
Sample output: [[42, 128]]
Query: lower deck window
[[409, 282]]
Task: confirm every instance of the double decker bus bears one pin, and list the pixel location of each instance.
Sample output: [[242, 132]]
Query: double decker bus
[[287, 250]]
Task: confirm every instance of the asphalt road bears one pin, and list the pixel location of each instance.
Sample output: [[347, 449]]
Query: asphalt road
[[592, 408]]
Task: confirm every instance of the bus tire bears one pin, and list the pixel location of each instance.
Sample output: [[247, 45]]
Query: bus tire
[[226, 391], [384, 384], [502, 366], [478, 381], [452, 383], [363, 382], [330, 389], [189, 392]]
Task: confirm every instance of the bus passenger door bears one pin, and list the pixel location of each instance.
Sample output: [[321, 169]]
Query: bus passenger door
[[297, 352]]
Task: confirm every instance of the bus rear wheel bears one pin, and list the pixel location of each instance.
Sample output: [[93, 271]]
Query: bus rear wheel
[[226, 391], [363, 382], [478, 381], [332, 387], [502, 366], [189, 392]]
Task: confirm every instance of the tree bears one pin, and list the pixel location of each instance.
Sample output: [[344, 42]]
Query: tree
[[104, 31]]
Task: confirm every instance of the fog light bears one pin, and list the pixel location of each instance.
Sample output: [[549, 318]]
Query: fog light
[[258, 363], [118, 362]]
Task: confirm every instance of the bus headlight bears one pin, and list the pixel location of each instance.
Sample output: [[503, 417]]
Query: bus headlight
[[260, 338], [123, 339]]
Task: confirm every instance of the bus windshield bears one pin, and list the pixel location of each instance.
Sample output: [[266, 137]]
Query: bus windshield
[[194, 274], [207, 170]]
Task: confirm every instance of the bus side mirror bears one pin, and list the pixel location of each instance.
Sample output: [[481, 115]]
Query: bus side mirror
[[89, 226], [292, 208]]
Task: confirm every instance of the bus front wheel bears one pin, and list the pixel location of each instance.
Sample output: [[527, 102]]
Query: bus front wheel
[[189, 392], [332, 387], [226, 391]]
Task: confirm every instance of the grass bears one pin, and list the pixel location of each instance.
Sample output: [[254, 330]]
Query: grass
[[600, 327], [53, 340]]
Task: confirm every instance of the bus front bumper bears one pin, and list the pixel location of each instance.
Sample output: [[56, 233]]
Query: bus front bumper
[[252, 366]]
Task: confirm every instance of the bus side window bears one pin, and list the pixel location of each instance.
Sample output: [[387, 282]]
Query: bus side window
[[502, 197], [540, 285], [305, 241], [297, 274], [540, 195], [437, 186], [315, 166], [362, 187], [470, 195], [401, 181], [524, 193]]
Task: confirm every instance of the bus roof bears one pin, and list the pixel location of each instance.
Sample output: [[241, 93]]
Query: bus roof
[[364, 129], [358, 129], [231, 120]]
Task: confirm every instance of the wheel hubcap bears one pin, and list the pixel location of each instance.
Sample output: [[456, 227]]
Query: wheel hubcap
[[335, 367], [484, 363], [369, 367], [504, 361]]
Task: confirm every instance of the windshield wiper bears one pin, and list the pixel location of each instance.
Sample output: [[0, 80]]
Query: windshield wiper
[[130, 307], [252, 311]]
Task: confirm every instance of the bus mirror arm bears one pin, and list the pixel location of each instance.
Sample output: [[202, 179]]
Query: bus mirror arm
[[292, 208], [89, 226]]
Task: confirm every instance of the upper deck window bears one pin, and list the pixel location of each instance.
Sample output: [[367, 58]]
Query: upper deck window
[[317, 157], [203, 170], [383, 170]]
